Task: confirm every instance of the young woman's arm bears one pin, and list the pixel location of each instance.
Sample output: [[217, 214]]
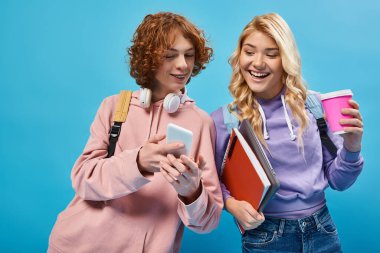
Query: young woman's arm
[[343, 170]]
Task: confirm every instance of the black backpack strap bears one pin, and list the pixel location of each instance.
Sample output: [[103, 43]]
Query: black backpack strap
[[119, 118], [315, 107], [326, 141], [113, 137]]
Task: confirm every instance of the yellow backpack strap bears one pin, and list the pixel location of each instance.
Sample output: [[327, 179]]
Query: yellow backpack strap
[[122, 106], [119, 118]]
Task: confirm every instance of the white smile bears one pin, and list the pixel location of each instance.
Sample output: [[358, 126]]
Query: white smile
[[179, 76], [259, 74]]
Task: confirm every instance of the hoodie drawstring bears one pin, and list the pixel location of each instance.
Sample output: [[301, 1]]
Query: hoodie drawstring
[[266, 135], [288, 123], [290, 126]]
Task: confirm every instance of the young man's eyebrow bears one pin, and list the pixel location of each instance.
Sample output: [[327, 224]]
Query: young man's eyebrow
[[186, 50]]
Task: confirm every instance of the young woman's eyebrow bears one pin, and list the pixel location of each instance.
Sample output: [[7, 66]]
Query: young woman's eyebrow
[[267, 49], [272, 49], [249, 45]]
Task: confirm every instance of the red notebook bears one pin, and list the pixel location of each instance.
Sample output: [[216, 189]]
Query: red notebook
[[249, 135], [246, 170], [243, 174]]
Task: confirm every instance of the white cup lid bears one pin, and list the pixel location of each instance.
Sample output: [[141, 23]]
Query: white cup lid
[[338, 93]]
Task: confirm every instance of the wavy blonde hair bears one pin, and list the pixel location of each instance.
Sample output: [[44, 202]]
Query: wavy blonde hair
[[274, 26]]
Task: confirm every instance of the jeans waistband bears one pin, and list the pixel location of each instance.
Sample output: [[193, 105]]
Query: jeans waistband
[[292, 225]]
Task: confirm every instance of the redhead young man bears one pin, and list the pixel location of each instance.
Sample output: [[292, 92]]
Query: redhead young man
[[140, 199], [269, 91]]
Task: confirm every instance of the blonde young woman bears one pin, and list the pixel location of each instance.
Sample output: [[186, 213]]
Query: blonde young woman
[[269, 91]]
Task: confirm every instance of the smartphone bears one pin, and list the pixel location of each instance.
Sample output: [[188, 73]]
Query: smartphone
[[175, 133]]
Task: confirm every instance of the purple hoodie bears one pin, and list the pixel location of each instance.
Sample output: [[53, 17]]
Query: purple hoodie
[[303, 177]]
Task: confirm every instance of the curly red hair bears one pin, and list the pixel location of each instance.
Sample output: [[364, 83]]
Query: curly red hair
[[151, 40]]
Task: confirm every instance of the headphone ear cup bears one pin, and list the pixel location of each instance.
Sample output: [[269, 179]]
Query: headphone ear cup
[[145, 97], [171, 102]]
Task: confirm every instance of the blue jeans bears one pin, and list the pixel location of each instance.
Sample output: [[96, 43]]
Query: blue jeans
[[316, 233]]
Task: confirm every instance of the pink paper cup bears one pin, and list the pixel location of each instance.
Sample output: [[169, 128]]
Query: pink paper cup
[[332, 103]]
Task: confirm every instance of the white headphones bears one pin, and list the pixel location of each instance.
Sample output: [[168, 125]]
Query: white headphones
[[171, 101]]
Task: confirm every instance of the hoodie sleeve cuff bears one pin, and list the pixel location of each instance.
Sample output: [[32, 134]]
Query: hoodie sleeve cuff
[[130, 170], [197, 207], [349, 156], [225, 192]]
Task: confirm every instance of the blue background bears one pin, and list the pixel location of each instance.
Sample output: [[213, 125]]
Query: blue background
[[59, 59]]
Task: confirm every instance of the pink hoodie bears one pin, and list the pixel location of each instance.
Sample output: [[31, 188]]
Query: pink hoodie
[[115, 208]]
